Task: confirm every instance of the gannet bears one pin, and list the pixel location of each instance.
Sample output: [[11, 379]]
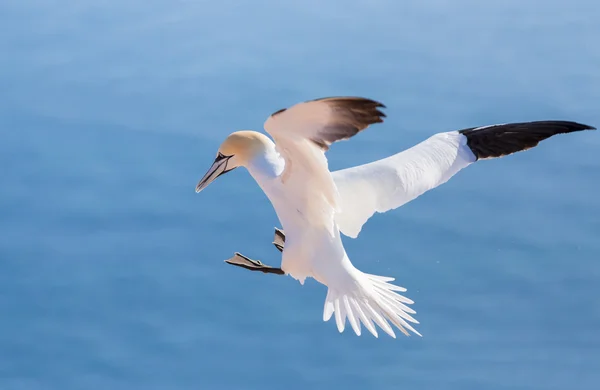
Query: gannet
[[315, 205]]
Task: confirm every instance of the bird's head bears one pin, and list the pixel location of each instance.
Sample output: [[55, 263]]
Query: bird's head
[[237, 150]]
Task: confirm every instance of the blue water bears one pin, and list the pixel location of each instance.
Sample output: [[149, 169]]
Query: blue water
[[111, 267]]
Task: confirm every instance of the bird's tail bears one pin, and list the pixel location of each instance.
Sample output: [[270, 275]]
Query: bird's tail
[[369, 299]]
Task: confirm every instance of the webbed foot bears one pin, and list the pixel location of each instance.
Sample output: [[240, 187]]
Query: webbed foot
[[253, 265], [279, 240]]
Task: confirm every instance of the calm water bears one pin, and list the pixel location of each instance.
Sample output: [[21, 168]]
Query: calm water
[[111, 267]]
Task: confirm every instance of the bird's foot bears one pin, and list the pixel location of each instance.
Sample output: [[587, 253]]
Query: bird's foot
[[279, 239], [253, 265]]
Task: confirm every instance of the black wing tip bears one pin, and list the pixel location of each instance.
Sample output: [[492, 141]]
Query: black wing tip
[[357, 99], [354, 114], [341, 99], [504, 139], [565, 126], [570, 126], [278, 111]]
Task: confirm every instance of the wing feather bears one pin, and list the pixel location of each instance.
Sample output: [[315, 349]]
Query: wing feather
[[393, 181], [302, 135], [326, 120], [389, 183]]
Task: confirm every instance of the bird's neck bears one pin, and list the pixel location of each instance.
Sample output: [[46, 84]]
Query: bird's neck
[[266, 165], [266, 169]]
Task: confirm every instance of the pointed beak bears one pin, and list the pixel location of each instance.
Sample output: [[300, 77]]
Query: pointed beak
[[218, 168]]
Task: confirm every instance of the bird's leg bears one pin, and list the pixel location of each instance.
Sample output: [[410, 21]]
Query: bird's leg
[[253, 265], [256, 265], [279, 239]]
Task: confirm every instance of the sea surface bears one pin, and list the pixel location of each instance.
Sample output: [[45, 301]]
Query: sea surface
[[111, 266]]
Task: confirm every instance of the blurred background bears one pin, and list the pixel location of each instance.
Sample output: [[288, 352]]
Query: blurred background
[[111, 267]]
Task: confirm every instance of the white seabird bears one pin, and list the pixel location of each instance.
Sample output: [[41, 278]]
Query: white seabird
[[314, 205]]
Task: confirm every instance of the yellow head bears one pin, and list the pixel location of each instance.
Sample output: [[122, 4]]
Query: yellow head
[[237, 150]]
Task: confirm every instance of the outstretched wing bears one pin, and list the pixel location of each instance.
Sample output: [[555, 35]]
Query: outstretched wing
[[302, 135], [393, 181]]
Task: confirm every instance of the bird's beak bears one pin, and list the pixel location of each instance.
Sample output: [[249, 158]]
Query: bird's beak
[[218, 168]]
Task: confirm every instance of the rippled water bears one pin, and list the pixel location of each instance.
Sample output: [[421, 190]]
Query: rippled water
[[111, 272]]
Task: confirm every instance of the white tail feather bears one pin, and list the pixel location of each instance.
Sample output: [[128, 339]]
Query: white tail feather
[[370, 300]]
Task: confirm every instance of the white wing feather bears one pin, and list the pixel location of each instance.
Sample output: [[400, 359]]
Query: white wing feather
[[292, 130], [389, 183], [302, 135]]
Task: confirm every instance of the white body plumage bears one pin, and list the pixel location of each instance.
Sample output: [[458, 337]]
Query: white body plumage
[[314, 205]]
